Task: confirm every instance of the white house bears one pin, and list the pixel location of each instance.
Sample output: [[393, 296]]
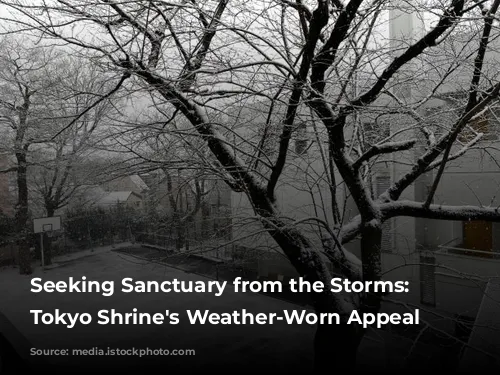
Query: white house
[[126, 198]]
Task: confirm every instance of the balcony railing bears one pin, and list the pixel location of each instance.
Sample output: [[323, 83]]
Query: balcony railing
[[456, 249]]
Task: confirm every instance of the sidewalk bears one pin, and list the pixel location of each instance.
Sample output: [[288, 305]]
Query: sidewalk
[[219, 348], [61, 260]]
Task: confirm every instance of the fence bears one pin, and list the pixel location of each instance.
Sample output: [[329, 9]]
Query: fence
[[167, 242], [91, 228], [91, 231], [215, 249], [8, 254], [208, 238]]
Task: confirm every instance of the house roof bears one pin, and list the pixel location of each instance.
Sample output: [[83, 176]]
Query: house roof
[[139, 182], [116, 197]]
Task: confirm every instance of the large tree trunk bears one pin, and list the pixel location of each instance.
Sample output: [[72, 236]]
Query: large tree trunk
[[335, 346], [308, 261], [47, 250], [47, 242], [371, 240], [338, 344], [181, 234], [22, 217]]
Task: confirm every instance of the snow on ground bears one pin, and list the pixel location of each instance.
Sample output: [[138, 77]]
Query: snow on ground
[[280, 347]]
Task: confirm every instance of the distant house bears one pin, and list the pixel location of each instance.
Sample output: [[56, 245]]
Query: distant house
[[153, 178], [85, 196], [127, 198], [132, 183]]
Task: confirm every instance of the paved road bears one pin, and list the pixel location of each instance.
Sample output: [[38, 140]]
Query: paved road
[[232, 349], [278, 348]]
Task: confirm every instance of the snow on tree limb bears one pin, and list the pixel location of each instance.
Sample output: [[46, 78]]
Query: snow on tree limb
[[222, 151], [385, 148], [318, 21], [440, 212]]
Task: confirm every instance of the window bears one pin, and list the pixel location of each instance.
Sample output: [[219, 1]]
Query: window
[[383, 182], [478, 236], [427, 280], [301, 140]]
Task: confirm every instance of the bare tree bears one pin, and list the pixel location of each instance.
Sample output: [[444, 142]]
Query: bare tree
[[26, 77], [51, 105], [59, 174], [317, 62], [183, 178]]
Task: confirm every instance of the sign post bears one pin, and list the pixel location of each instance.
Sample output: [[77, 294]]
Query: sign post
[[41, 250], [44, 225]]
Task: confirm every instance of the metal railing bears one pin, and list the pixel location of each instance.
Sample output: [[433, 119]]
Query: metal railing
[[166, 242], [456, 249]]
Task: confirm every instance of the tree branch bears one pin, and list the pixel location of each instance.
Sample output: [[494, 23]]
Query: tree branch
[[124, 77], [318, 21], [325, 58], [386, 148], [472, 105], [445, 22], [439, 212]]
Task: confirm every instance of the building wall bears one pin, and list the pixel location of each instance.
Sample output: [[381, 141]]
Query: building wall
[[134, 202], [301, 193]]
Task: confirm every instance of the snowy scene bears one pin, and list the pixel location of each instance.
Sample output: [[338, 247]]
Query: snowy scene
[[166, 163]]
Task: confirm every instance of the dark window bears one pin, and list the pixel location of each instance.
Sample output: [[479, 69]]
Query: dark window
[[382, 184], [301, 146], [427, 280], [478, 237], [301, 140]]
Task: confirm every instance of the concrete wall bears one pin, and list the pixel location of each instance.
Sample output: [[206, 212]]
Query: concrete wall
[[302, 193]]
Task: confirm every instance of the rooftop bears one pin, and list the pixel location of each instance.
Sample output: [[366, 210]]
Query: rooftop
[[115, 197]]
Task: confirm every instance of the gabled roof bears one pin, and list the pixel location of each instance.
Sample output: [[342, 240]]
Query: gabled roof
[[115, 197], [139, 182]]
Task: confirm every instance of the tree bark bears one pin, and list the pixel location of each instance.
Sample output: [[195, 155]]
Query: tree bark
[[22, 216], [47, 243], [334, 345], [180, 228], [338, 344], [371, 241]]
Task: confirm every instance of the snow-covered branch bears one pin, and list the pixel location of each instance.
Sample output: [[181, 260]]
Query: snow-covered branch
[[386, 148], [439, 212]]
